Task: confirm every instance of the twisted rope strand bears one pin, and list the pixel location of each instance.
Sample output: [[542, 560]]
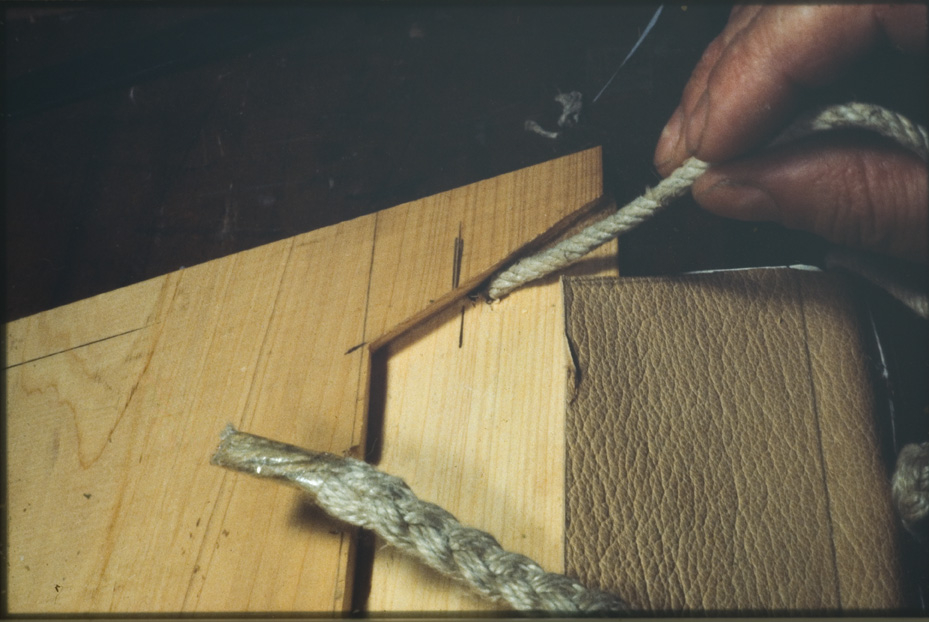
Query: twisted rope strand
[[910, 484], [550, 260], [358, 494], [854, 115]]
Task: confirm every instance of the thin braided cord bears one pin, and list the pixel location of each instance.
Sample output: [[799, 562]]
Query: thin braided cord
[[854, 115], [358, 494], [528, 269]]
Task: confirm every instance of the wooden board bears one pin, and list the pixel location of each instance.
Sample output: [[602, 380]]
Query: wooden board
[[473, 419], [114, 404]]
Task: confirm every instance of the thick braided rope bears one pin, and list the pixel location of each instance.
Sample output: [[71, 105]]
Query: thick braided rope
[[358, 494], [853, 115]]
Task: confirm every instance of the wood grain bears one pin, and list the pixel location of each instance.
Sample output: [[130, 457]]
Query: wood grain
[[114, 404]]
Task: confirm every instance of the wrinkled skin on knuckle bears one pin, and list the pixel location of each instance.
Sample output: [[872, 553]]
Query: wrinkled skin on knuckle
[[698, 82], [871, 204]]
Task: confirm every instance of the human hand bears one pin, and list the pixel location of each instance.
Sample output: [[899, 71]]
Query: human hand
[[852, 190]]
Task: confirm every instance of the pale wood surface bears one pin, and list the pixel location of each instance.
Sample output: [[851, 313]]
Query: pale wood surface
[[474, 415], [114, 404]]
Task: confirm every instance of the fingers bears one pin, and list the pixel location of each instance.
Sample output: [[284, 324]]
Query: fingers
[[752, 77], [748, 85], [870, 195], [671, 150]]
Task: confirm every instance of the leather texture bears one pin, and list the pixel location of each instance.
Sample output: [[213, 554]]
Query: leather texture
[[721, 447]]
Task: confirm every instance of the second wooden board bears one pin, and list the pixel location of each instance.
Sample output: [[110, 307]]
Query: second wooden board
[[473, 419]]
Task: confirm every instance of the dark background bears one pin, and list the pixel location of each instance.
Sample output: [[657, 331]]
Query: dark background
[[139, 139], [146, 139]]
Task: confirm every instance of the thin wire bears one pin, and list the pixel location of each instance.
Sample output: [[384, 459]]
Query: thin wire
[[648, 29]]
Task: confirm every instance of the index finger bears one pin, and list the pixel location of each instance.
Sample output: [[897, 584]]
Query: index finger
[[755, 74]]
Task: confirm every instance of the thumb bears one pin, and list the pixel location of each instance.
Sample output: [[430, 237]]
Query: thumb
[[854, 190]]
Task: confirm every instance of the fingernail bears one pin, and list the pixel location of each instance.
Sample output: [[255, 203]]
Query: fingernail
[[727, 197], [697, 123], [670, 137]]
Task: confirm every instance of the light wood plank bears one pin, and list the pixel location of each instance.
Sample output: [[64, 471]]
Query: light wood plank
[[57, 330], [114, 404], [163, 530], [474, 421], [417, 241]]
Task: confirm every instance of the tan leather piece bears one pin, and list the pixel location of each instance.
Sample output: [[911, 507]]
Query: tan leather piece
[[721, 447], [863, 519]]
